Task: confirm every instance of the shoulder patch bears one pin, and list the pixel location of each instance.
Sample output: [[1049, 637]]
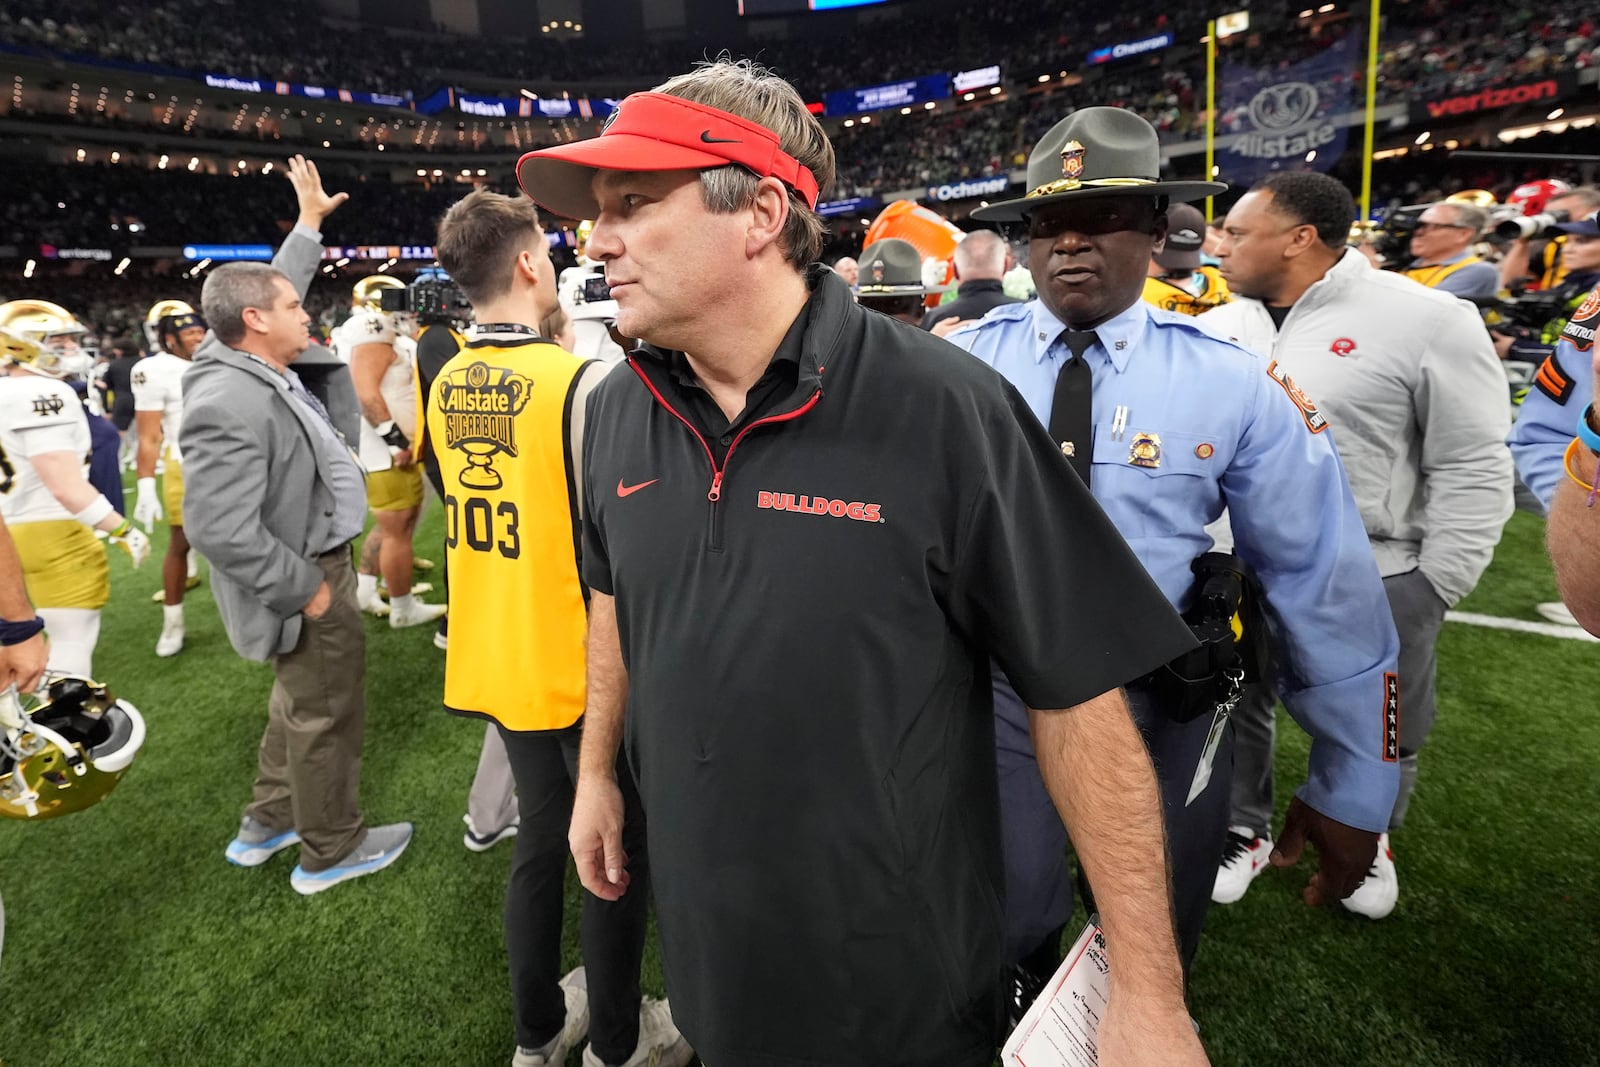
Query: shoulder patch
[[1315, 420], [1552, 381], [1581, 326]]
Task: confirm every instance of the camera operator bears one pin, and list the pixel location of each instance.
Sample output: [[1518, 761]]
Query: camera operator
[[1535, 319], [1442, 244], [1535, 260]]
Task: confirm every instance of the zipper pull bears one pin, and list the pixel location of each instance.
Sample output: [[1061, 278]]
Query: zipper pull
[[716, 487]]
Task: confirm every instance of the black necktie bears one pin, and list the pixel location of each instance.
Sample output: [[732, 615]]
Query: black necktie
[[1071, 413]]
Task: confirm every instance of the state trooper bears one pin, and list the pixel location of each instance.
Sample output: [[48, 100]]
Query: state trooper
[[1170, 426]]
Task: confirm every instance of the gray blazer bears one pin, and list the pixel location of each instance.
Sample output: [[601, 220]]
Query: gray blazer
[[258, 496]]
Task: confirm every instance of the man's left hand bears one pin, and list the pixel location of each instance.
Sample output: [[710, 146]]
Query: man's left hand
[[1344, 853], [1142, 1033], [315, 203]]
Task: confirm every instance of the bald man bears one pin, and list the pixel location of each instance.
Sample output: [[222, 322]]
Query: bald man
[[847, 268], [982, 259]]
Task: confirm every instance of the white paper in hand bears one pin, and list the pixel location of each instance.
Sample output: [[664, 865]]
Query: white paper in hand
[[1059, 1030]]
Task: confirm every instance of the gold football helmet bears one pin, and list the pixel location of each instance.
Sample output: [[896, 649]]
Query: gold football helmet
[[66, 754], [1476, 197], [365, 293], [581, 238], [63, 351], [158, 311]]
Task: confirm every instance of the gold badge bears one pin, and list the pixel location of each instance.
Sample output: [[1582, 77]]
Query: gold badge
[[1145, 450], [1072, 161], [1204, 451]]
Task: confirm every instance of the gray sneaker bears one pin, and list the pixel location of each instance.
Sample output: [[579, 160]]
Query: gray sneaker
[[257, 843], [660, 1044], [381, 847], [575, 988]]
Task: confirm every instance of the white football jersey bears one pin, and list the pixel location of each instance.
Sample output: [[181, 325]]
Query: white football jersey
[[158, 386], [37, 415], [397, 386]]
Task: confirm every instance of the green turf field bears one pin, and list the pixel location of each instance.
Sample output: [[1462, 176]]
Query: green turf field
[[130, 942]]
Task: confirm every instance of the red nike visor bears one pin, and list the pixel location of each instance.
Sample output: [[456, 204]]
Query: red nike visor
[[654, 131]]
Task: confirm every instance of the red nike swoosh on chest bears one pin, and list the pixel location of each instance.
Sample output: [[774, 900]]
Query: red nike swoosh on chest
[[629, 490]]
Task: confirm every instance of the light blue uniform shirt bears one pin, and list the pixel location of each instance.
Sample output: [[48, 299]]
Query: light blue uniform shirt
[[1231, 436], [1548, 418]]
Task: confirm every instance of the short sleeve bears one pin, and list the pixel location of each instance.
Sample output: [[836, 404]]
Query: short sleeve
[[1044, 580], [596, 558], [149, 390], [48, 405]]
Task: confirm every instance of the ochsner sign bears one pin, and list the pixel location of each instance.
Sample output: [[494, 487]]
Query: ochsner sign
[[963, 190]]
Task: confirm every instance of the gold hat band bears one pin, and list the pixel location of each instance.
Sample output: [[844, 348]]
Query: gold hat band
[[1067, 185]]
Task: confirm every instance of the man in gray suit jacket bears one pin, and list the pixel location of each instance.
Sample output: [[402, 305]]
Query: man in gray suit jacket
[[274, 499]]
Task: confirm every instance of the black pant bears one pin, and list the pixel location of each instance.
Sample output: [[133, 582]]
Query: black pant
[[430, 467], [545, 766], [1038, 890]]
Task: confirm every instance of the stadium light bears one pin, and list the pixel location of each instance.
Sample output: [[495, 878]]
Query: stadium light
[[1324, 9], [530, 94], [343, 261], [865, 119], [1306, 13], [422, 174], [929, 106], [1423, 136], [905, 111], [266, 168], [325, 144], [1043, 78], [1311, 155], [81, 154], [482, 172], [116, 157], [1557, 113], [122, 266], [27, 271], [995, 91], [194, 162], [849, 123]]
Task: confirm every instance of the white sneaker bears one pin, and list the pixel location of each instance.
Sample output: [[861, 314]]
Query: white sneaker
[[373, 605], [1243, 859], [170, 643], [660, 1044], [1377, 895], [441, 641], [1557, 612], [409, 611], [576, 988]]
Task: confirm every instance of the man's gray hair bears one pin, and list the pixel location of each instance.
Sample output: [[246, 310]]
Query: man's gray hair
[[230, 289], [981, 254], [753, 92], [1469, 216]]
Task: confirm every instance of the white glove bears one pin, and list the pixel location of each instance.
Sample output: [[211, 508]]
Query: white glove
[[132, 541], [147, 509]]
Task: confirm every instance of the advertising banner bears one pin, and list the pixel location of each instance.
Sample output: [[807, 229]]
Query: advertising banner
[[892, 94], [1284, 116]]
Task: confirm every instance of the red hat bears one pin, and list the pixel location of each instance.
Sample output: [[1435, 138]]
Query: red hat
[[654, 131]]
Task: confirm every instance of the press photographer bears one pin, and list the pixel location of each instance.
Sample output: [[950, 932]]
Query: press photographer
[[1531, 322], [1441, 241], [1536, 258]]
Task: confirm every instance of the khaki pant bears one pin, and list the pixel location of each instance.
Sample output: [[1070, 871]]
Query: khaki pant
[[310, 759], [492, 802]]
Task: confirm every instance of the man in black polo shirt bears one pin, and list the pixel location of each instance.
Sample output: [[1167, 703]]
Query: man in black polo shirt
[[807, 530]]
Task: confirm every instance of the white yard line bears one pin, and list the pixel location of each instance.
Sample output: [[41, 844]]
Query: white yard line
[[1545, 629]]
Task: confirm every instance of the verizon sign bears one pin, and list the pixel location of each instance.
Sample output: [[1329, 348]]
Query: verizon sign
[[1545, 90]]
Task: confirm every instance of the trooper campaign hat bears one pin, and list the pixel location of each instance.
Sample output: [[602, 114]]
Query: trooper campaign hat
[[1093, 152], [1186, 235], [892, 267]]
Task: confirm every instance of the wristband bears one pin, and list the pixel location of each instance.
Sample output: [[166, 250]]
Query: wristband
[[1586, 430], [96, 512], [120, 529], [13, 632], [1566, 464], [393, 436]]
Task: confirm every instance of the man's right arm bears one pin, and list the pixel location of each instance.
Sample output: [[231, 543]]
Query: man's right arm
[[596, 833], [225, 474]]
